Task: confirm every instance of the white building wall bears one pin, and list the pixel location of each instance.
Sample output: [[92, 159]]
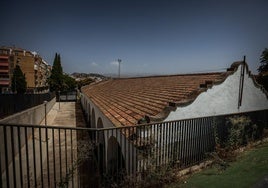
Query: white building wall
[[223, 99], [128, 150]]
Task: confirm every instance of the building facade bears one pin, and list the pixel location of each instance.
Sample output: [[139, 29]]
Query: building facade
[[36, 70]]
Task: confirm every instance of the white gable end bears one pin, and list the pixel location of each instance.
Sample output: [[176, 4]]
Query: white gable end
[[223, 99]]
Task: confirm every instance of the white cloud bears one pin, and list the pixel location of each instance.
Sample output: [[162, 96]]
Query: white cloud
[[114, 63], [94, 64]]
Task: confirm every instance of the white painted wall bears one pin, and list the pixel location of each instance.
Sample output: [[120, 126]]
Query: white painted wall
[[223, 99], [126, 146]]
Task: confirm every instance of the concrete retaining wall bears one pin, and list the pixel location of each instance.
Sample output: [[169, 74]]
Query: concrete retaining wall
[[32, 116]]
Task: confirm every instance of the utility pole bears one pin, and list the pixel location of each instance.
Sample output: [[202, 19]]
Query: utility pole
[[119, 64]]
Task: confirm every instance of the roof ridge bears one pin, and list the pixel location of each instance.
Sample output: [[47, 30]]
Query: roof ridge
[[169, 75]]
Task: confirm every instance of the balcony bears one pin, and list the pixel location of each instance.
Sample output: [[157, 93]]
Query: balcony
[[4, 70], [4, 64]]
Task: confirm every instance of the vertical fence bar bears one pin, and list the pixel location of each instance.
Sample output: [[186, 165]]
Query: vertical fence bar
[[166, 144], [1, 181], [152, 144], [27, 156], [47, 151], [118, 160], [189, 123], [98, 153], [41, 157], [212, 133], [209, 134], [182, 143], [146, 142], [125, 147], [176, 143], [192, 137], [20, 160], [173, 144], [130, 160], [54, 159], [66, 163], [59, 140], [199, 139], [71, 132], [34, 158], [143, 149], [13, 156], [185, 142], [204, 136], [160, 147], [179, 143], [128, 151], [206, 129], [6, 157], [195, 138], [121, 154]]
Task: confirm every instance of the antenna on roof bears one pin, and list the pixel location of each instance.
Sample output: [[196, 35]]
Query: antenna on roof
[[119, 64]]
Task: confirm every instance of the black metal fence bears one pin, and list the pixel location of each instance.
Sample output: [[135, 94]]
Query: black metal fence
[[50, 156], [66, 96], [13, 103]]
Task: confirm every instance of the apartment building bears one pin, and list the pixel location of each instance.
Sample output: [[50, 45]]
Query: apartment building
[[34, 67]]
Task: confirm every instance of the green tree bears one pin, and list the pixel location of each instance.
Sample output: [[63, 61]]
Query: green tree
[[263, 69], [84, 82], [264, 61], [18, 82], [56, 77], [69, 83]]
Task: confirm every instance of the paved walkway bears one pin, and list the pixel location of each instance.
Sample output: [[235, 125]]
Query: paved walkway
[[65, 114], [63, 151]]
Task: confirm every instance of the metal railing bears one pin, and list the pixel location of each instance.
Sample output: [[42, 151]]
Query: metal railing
[[51, 156], [66, 96]]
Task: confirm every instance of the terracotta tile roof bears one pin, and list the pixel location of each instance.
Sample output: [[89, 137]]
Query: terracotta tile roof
[[128, 100]]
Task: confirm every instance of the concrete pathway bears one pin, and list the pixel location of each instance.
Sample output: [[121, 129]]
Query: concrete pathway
[[66, 114], [56, 151], [62, 149]]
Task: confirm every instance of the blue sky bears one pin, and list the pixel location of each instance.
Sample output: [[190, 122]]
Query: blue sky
[[150, 36]]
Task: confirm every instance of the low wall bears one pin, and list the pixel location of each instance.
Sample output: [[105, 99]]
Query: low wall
[[14, 103], [32, 116]]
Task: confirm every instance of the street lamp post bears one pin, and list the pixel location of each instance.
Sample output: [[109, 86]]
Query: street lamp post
[[59, 100], [45, 103]]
